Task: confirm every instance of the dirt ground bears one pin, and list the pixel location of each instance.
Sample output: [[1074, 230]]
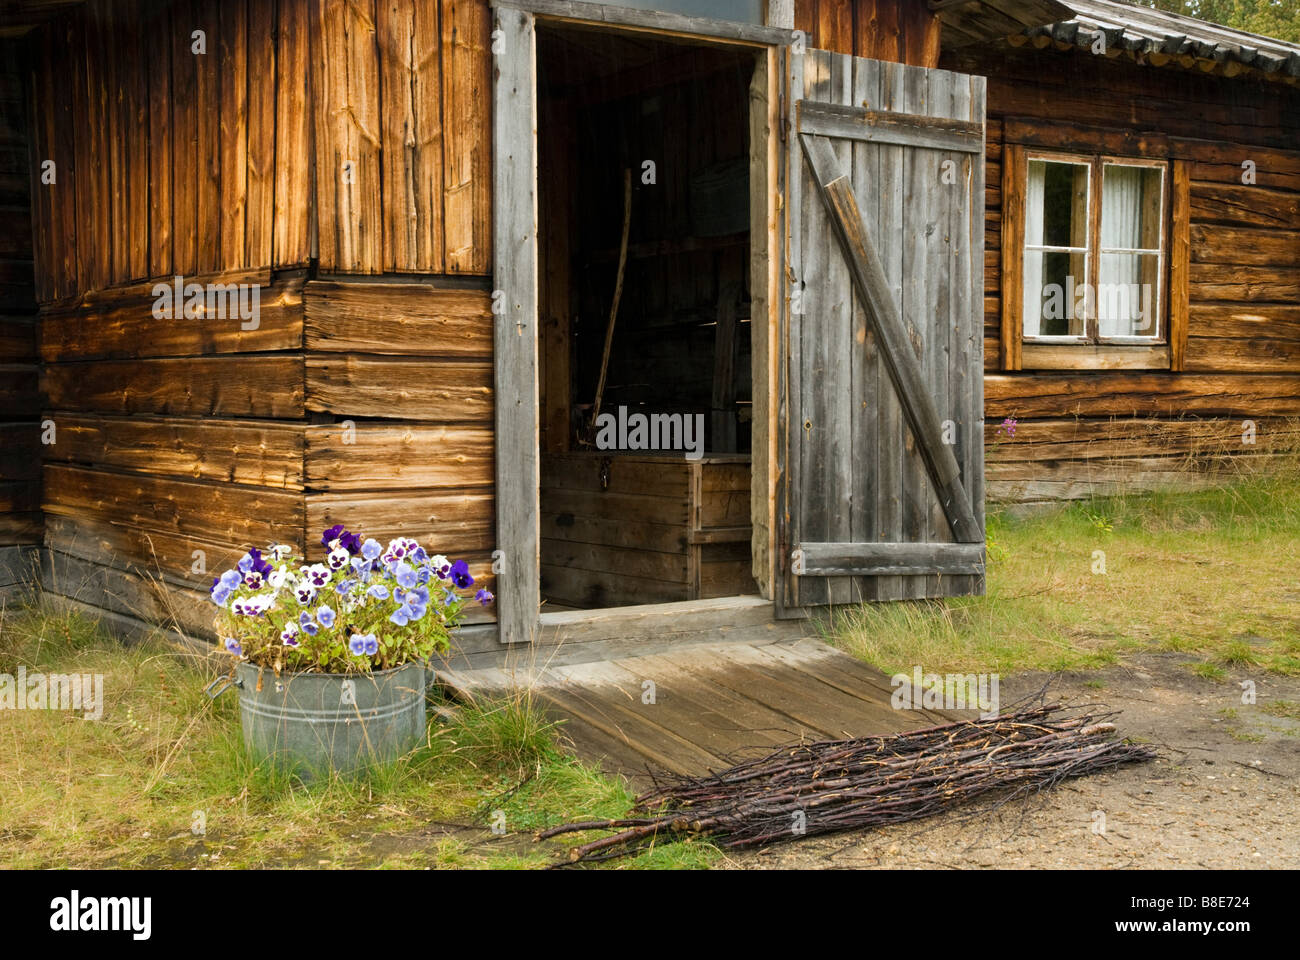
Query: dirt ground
[[1225, 795]]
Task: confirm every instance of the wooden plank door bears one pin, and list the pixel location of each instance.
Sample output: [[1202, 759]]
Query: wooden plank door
[[881, 446]]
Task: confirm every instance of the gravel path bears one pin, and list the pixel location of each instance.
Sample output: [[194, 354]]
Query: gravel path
[[1226, 794]]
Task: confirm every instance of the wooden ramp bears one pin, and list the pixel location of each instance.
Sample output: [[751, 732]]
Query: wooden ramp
[[703, 706]]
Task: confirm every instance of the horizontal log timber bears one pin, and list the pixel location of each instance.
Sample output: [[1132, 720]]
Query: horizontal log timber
[[883, 126], [233, 386], [1124, 394], [1037, 441], [17, 339], [404, 319], [136, 595], [1260, 354], [221, 512], [448, 522], [654, 20], [262, 317], [1244, 206], [20, 397], [1213, 243], [256, 452], [1119, 471], [1243, 284], [21, 528], [381, 456], [447, 391], [1080, 356], [890, 559], [186, 561], [20, 451]]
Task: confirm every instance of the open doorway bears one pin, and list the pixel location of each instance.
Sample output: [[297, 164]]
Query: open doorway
[[645, 354]]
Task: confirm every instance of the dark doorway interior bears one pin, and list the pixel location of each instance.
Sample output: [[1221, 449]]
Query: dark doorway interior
[[649, 503]]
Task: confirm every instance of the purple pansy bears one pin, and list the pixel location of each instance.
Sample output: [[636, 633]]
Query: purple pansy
[[233, 646], [460, 575], [484, 596]]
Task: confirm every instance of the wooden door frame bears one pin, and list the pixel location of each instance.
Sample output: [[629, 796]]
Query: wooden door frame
[[517, 559]]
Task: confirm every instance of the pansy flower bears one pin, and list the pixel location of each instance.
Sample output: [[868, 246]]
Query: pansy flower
[[220, 594], [305, 593], [357, 644], [440, 565], [460, 575], [317, 574], [372, 644], [378, 591], [289, 635], [338, 558], [484, 596], [326, 617], [405, 575], [233, 646], [371, 549], [345, 587]]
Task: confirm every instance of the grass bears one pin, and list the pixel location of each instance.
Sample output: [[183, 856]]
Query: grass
[[1208, 574], [162, 780]]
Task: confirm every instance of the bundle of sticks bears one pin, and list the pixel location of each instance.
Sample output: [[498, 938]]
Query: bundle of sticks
[[834, 785]]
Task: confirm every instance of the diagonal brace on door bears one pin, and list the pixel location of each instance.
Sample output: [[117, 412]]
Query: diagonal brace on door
[[877, 298]]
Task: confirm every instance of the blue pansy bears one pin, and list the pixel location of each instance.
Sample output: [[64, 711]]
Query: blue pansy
[[233, 646], [230, 579], [326, 617], [371, 549], [378, 591], [372, 645], [405, 575], [345, 587], [357, 644]]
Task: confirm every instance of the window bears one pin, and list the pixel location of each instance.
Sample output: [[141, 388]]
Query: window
[[1089, 255]]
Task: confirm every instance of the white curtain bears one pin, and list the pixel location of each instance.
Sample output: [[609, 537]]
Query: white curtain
[[1033, 261], [1119, 301]]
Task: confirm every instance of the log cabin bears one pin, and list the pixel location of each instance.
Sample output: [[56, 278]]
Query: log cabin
[[708, 311]]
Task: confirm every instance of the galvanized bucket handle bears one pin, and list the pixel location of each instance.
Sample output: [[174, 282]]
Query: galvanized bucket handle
[[225, 684]]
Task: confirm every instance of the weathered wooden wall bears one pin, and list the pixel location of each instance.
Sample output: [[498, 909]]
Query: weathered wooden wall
[[399, 386], [1234, 280], [180, 442], [900, 32], [403, 136], [20, 517]]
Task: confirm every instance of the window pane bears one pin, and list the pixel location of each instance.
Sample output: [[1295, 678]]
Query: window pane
[[745, 11], [1128, 291], [1130, 207], [1054, 294], [1056, 204]]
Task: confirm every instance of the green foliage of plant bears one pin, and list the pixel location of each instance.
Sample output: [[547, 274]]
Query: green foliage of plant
[[1279, 19]]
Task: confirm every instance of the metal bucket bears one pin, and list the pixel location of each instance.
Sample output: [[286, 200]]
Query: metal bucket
[[314, 723]]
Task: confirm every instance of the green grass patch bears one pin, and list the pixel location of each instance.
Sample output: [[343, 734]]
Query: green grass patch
[[162, 779], [1209, 573]]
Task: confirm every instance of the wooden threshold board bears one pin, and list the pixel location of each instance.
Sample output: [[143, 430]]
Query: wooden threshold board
[[699, 707]]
